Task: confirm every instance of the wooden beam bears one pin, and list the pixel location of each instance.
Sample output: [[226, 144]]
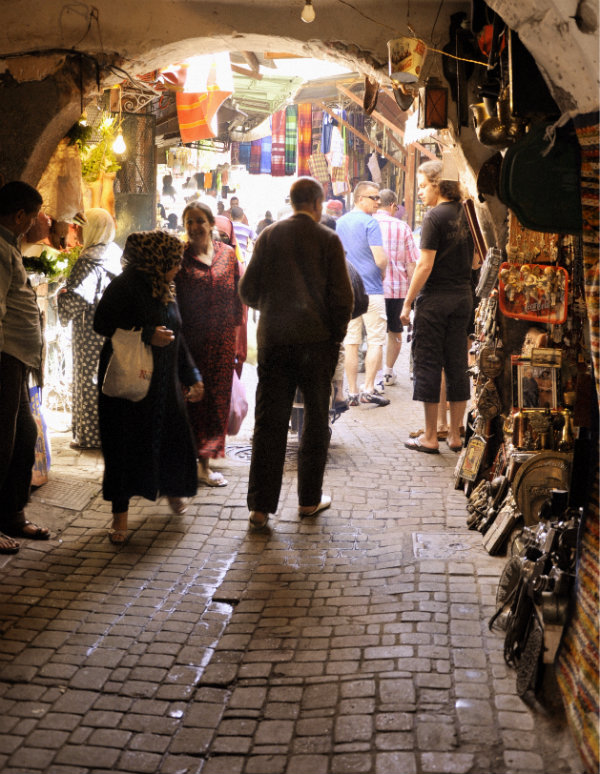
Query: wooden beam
[[281, 55], [376, 114], [248, 73], [383, 120], [363, 137]]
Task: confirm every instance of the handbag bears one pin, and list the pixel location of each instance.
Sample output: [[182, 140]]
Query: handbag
[[41, 465], [361, 299], [129, 370], [238, 408]]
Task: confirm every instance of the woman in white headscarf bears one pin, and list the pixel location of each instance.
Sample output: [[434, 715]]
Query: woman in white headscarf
[[96, 266]]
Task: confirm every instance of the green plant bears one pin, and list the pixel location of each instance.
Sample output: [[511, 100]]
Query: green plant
[[54, 264], [100, 158]]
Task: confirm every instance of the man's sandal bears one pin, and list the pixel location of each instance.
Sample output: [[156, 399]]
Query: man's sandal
[[258, 520], [27, 530]]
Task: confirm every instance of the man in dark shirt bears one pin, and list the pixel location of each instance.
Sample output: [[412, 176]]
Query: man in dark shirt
[[297, 279]]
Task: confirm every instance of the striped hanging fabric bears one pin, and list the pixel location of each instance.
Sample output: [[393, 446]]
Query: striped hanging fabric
[[208, 83], [317, 127], [244, 155], [265, 155], [304, 138], [278, 144], [255, 152], [291, 138]]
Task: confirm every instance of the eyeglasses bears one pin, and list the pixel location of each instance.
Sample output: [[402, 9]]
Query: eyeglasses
[[372, 197]]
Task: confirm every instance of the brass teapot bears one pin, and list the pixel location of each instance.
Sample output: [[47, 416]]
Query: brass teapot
[[496, 131]]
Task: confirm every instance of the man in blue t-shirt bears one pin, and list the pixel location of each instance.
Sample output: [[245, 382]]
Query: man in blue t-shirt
[[361, 236]]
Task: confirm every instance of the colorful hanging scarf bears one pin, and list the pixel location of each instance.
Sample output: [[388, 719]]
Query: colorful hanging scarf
[[154, 253], [278, 144], [244, 155], [317, 124], [304, 138], [291, 138], [255, 149], [265, 155]]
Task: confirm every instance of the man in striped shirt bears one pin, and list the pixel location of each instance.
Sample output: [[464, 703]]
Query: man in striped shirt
[[402, 254], [243, 233]]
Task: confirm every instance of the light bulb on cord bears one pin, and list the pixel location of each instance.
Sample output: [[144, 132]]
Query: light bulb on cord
[[119, 144], [308, 12]]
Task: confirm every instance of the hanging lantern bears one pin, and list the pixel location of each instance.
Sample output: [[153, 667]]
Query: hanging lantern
[[433, 105]]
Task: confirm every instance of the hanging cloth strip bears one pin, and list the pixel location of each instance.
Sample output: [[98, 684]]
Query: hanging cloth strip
[[255, 152], [291, 138], [278, 144], [304, 138], [244, 154], [265, 155]]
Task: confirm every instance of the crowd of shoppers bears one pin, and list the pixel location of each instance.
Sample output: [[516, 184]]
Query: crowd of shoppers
[[188, 300]]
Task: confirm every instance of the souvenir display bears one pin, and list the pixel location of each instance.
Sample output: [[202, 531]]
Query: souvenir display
[[534, 292]]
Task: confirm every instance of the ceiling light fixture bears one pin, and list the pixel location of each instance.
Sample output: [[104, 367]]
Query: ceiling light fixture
[[308, 12]]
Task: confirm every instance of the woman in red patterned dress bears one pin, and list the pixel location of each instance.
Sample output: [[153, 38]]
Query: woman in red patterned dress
[[211, 311]]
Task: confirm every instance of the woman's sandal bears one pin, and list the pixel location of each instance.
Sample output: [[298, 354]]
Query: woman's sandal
[[117, 536], [8, 545], [211, 478], [258, 520]]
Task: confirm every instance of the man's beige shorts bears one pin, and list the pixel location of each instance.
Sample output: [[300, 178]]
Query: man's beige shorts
[[375, 322]]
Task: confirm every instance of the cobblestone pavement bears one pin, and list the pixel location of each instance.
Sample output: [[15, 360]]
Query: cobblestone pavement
[[355, 642]]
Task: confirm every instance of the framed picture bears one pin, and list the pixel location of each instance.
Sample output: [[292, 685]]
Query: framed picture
[[535, 386]]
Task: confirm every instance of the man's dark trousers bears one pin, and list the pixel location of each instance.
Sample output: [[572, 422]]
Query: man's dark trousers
[[18, 436], [280, 370]]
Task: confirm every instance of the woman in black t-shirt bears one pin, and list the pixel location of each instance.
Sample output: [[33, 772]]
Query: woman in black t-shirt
[[442, 292]]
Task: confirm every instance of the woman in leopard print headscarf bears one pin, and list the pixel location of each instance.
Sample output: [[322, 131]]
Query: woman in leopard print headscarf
[[148, 446]]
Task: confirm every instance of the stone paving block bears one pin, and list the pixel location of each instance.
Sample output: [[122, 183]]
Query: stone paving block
[[436, 736], [149, 724], [9, 743], [224, 764], [395, 762], [265, 764], [351, 763], [138, 761], [522, 720], [396, 691], [75, 755], [48, 739], [231, 745], [446, 763], [353, 728], [302, 764], [472, 712], [191, 740]]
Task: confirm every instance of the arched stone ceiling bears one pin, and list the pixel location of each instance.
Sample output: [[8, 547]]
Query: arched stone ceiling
[[143, 36]]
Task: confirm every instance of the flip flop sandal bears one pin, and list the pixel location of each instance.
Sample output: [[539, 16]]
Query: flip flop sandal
[[8, 545], [20, 531], [455, 448], [416, 445]]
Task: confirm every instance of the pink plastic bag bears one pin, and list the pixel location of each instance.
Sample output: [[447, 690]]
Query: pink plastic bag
[[239, 406]]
